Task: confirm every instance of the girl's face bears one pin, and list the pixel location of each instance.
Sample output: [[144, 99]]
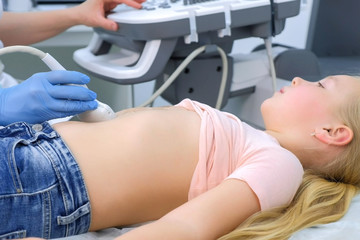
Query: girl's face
[[307, 105]]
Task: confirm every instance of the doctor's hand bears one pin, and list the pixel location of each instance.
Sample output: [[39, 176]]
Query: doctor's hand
[[92, 13], [45, 96]]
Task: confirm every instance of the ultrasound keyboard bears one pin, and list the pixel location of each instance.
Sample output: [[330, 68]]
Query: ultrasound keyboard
[[188, 18]]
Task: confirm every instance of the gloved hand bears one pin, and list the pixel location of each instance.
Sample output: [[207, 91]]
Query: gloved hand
[[45, 96]]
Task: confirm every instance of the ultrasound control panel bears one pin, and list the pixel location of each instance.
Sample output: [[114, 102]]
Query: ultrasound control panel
[[188, 18], [164, 29]]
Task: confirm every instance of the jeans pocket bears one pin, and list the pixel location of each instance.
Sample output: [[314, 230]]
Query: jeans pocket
[[14, 235], [13, 169], [31, 168], [78, 213]]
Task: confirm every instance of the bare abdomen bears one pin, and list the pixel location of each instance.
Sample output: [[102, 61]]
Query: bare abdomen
[[138, 166]]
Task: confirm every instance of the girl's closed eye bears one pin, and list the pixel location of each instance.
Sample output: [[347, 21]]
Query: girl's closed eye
[[321, 85]]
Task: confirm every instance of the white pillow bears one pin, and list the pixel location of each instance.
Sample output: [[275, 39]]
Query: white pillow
[[347, 228]]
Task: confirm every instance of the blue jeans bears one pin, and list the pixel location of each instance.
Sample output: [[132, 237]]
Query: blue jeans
[[42, 191]]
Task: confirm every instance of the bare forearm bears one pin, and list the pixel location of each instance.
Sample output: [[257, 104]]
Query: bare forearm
[[32, 27], [161, 229], [208, 216], [35, 27]]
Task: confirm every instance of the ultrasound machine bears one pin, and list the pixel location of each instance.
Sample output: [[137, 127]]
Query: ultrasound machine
[[191, 41]]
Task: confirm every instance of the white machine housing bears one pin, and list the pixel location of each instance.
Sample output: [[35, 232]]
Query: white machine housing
[[149, 37]]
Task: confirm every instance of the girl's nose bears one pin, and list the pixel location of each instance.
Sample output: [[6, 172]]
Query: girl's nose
[[296, 81]]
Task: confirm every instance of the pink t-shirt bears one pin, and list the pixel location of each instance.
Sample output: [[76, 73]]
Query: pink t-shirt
[[229, 148]]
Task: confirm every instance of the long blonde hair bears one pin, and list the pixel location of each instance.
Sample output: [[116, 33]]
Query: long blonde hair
[[323, 197]]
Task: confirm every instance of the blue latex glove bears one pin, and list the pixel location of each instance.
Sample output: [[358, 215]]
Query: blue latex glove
[[45, 96]]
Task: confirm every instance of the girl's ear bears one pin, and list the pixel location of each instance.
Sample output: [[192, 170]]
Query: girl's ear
[[339, 135]]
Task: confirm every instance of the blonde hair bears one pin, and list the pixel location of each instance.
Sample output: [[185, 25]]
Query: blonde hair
[[323, 197]]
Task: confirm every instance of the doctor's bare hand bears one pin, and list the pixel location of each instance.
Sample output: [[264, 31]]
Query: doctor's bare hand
[[93, 13]]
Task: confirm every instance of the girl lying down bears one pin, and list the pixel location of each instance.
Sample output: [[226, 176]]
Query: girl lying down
[[195, 172]]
